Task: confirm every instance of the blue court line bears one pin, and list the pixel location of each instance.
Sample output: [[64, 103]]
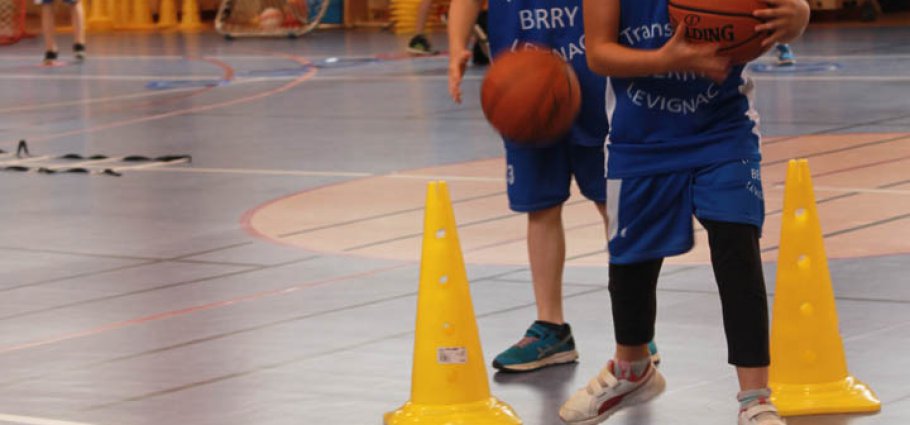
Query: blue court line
[[327, 63], [797, 68]]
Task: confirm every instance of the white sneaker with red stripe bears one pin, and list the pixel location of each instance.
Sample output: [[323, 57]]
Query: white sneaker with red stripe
[[761, 413], [606, 394]]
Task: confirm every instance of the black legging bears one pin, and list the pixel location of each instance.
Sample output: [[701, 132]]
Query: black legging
[[736, 258]]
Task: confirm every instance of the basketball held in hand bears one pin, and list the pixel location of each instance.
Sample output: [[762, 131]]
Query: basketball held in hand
[[728, 22], [531, 96]]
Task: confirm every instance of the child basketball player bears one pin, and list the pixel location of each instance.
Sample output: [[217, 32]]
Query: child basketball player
[[539, 177], [684, 141], [48, 29]]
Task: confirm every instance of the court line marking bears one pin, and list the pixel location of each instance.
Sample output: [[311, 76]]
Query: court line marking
[[94, 100], [408, 77], [227, 75], [31, 58], [306, 173], [194, 109], [853, 189], [827, 78], [195, 309], [108, 77], [31, 420]]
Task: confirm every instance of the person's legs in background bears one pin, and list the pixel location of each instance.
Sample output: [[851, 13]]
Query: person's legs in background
[[419, 44]]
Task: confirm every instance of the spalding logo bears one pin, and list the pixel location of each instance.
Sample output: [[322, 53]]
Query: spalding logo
[[714, 34]]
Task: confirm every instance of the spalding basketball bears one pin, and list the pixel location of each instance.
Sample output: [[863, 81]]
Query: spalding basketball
[[531, 96], [728, 22]]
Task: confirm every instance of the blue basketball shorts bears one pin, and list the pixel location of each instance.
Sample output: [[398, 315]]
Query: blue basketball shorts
[[540, 177], [651, 216], [52, 1]]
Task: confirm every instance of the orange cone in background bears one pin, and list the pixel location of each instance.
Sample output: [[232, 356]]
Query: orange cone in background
[[141, 16], [808, 368], [449, 383], [189, 16], [167, 14], [99, 18]]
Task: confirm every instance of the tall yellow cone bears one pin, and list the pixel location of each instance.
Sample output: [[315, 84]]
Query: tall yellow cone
[[167, 14], [449, 379], [99, 18], [808, 367], [141, 17], [118, 11], [189, 16]]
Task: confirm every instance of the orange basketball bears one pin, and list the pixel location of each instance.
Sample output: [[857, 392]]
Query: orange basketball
[[728, 22], [531, 96]]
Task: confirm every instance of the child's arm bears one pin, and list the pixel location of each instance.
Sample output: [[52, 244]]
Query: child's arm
[[462, 15], [786, 20], [607, 57]]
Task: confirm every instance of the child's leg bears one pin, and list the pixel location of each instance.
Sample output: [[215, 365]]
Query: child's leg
[[547, 254], [48, 27], [630, 378], [78, 18], [736, 258], [633, 296]]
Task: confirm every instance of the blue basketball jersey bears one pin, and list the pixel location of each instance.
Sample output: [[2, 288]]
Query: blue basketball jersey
[[676, 121], [558, 26]]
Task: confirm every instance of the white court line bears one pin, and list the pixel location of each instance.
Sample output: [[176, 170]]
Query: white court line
[[258, 57], [855, 189], [449, 178], [787, 77], [361, 77], [29, 420], [95, 100], [183, 77], [259, 172], [304, 173], [31, 58]]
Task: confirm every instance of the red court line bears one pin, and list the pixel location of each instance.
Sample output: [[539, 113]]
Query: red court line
[[227, 74], [854, 168], [293, 83], [194, 309]]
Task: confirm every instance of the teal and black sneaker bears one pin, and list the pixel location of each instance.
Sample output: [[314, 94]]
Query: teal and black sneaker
[[785, 55], [544, 344]]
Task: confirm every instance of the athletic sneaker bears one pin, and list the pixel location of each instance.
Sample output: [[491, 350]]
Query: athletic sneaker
[[606, 394], [784, 55], [655, 356], [544, 344], [419, 45], [79, 52], [50, 57], [478, 56], [761, 412]]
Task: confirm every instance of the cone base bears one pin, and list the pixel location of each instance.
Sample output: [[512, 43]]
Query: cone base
[[486, 412], [100, 24], [849, 395]]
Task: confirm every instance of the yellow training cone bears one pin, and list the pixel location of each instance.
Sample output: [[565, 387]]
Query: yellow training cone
[[167, 14], [189, 16], [449, 383], [808, 368], [141, 17], [98, 18]]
